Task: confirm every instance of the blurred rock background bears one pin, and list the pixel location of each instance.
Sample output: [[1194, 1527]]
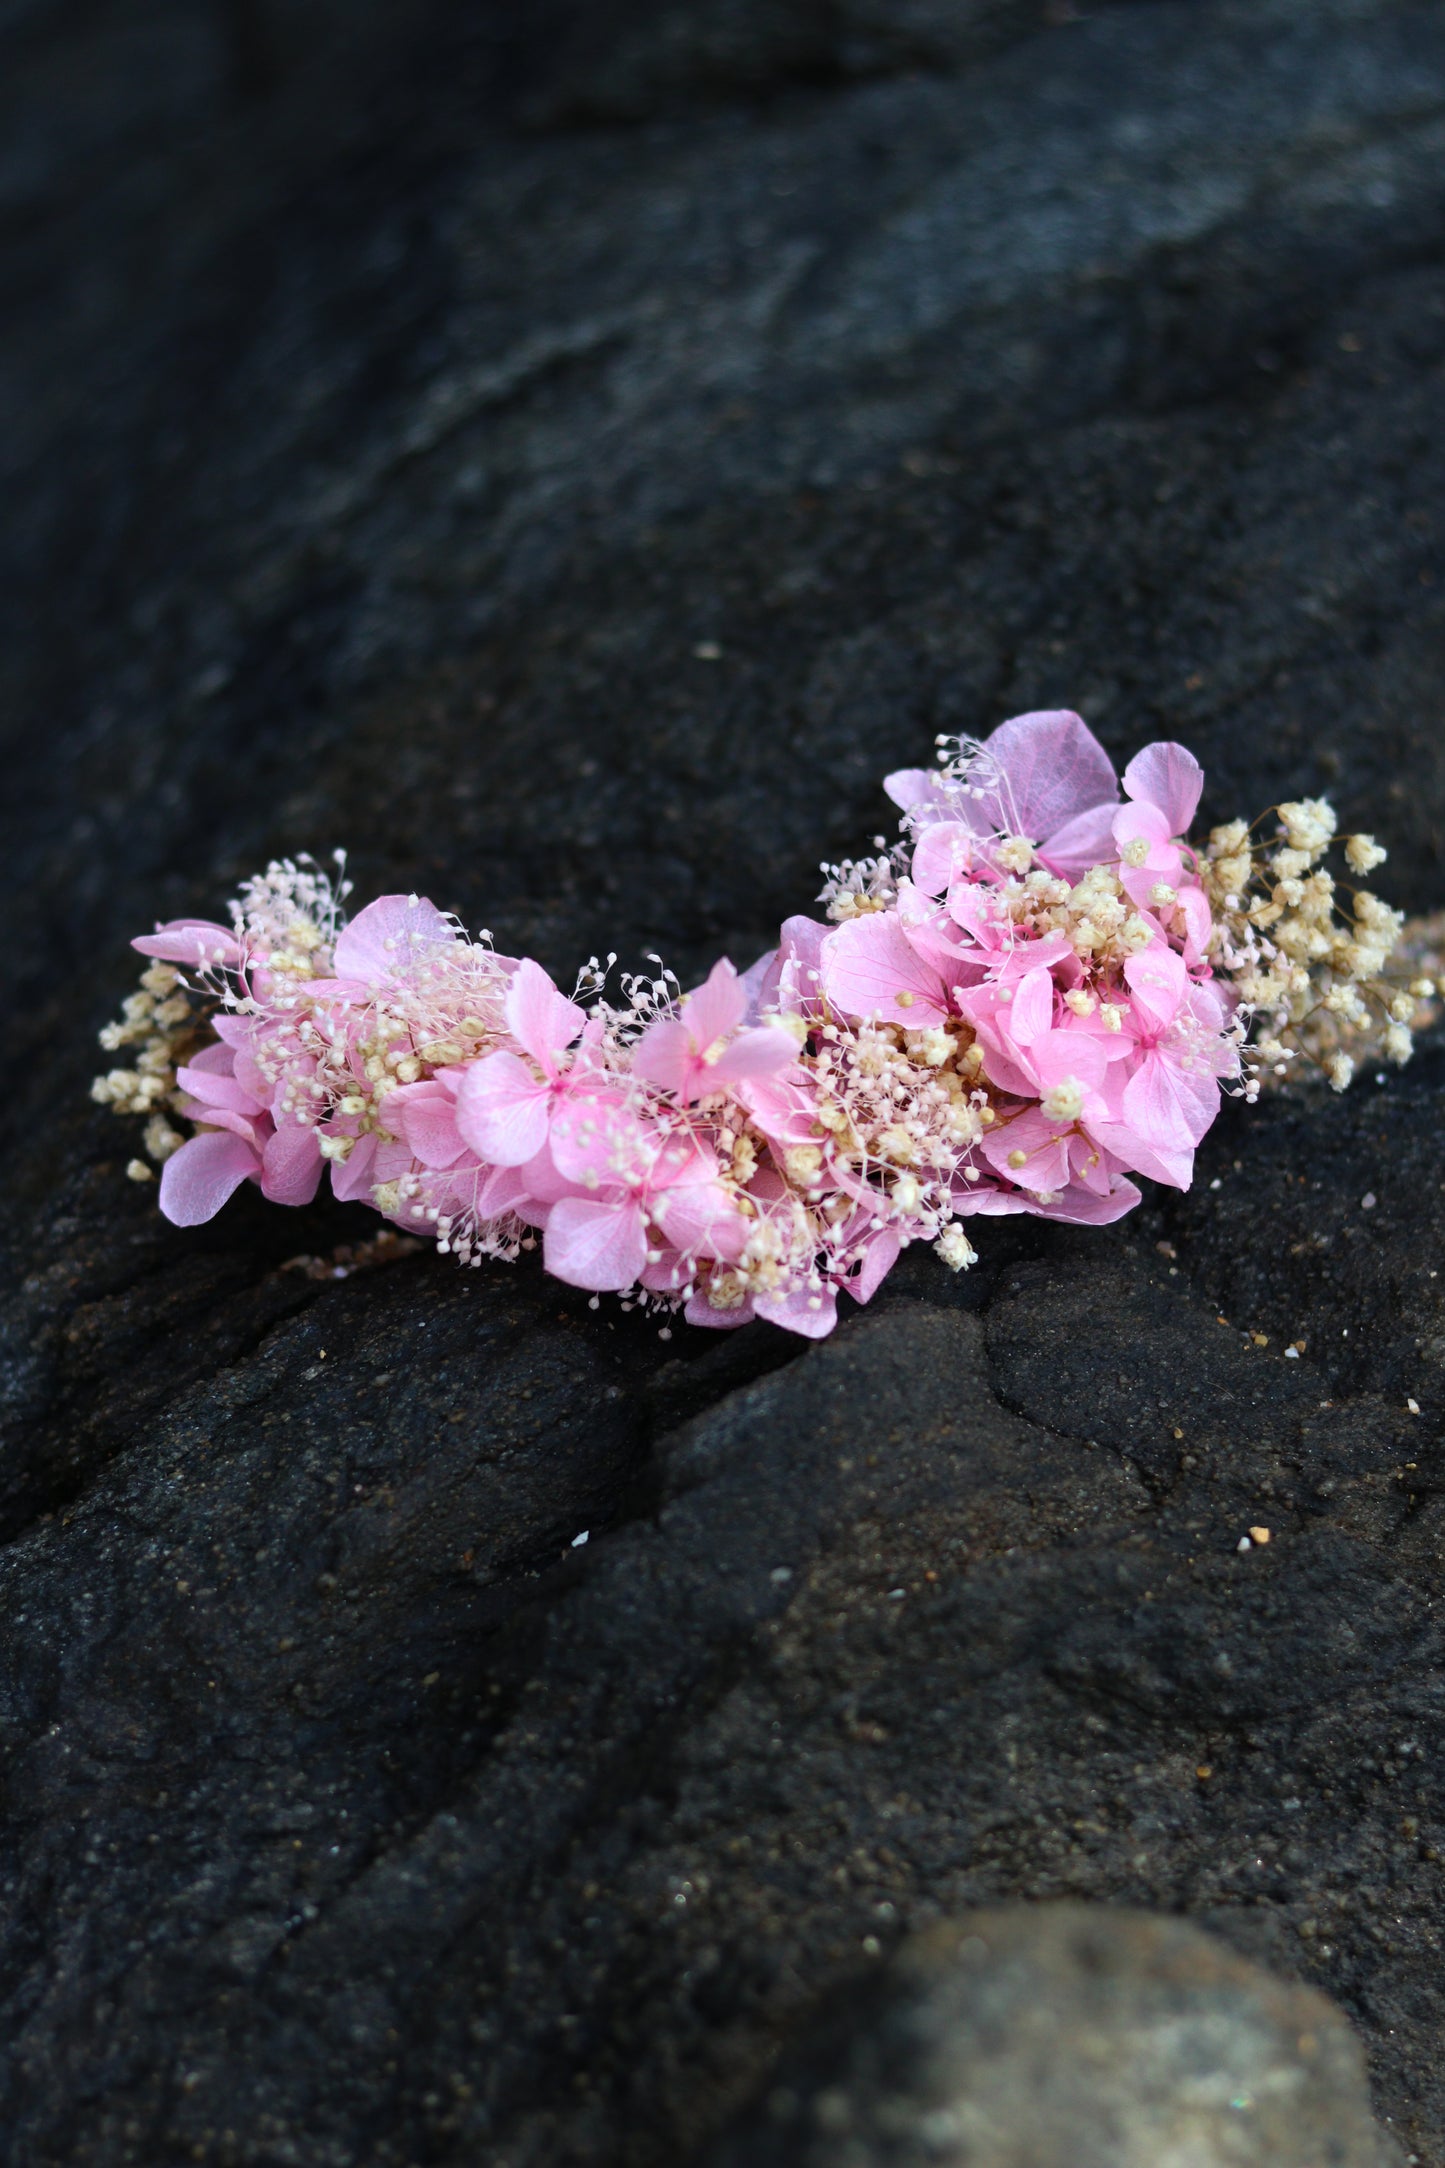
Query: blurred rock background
[[566, 457]]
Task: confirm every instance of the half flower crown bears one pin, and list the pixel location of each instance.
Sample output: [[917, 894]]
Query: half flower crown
[[1038, 993]]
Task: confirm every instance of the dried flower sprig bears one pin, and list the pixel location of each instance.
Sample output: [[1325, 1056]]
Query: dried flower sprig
[[1039, 993], [1308, 955]]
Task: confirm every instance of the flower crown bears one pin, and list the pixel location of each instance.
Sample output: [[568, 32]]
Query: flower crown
[[1038, 993]]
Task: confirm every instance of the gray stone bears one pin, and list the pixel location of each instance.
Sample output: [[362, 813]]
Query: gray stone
[[1068, 2036]]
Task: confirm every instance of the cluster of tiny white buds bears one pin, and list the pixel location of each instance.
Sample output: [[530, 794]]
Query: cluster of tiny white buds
[[163, 1023], [856, 886], [593, 977], [1308, 964]]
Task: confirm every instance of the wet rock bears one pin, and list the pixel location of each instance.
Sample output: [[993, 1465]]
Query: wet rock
[[1068, 2036]]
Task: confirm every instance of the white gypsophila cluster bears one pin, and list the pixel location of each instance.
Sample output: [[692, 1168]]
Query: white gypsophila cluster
[[894, 1109], [1308, 956], [286, 920], [288, 917], [451, 1012], [163, 1024], [856, 886]]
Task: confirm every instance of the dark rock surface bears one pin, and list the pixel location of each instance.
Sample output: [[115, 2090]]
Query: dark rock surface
[[393, 415], [1067, 2036]]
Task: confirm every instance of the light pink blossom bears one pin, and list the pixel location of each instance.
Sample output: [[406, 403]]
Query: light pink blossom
[[1165, 1086], [625, 1174], [1043, 775], [393, 940], [700, 1050], [505, 1104]]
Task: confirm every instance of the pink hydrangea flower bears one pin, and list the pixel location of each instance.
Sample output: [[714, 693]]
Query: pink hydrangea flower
[[1171, 1057], [1043, 775], [505, 1104], [241, 1141], [876, 968], [393, 940], [701, 1050], [624, 1175], [197, 942]]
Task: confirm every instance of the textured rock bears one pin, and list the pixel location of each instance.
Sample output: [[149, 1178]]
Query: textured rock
[[395, 426], [1068, 2036]]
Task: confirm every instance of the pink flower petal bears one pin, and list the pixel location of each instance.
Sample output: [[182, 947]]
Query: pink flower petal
[[194, 941], [701, 1219], [1156, 978], [1086, 840], [500, 1189], [985, 1200], [352, 1177], [390, 938], [502, 1110], [234, 1031], [217, 1091], [1031, 1012], [668, 1274], [879, 1258], [598, 1143], [539, 1018], [426, 1115], [595, 1244], [1045, 1154], [1153, 1107], [870, 968], [542, 1180], [251, 1078], [754, 979], [716, 1007], [1136, 1142], [944, 852], [255, 1128], [1063, 1055], [1081, 1208], [1168, 776], [1041, 770], [665, 1055], [913, 788], [291, 1165], [761, 1052], [800, 954], [812, 1314], [1133, 822], [1198, 923], [783, 1109], [217, 1060], [197, 1180]]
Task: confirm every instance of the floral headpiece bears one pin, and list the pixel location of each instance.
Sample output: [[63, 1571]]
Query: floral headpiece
[[1040, 992]]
